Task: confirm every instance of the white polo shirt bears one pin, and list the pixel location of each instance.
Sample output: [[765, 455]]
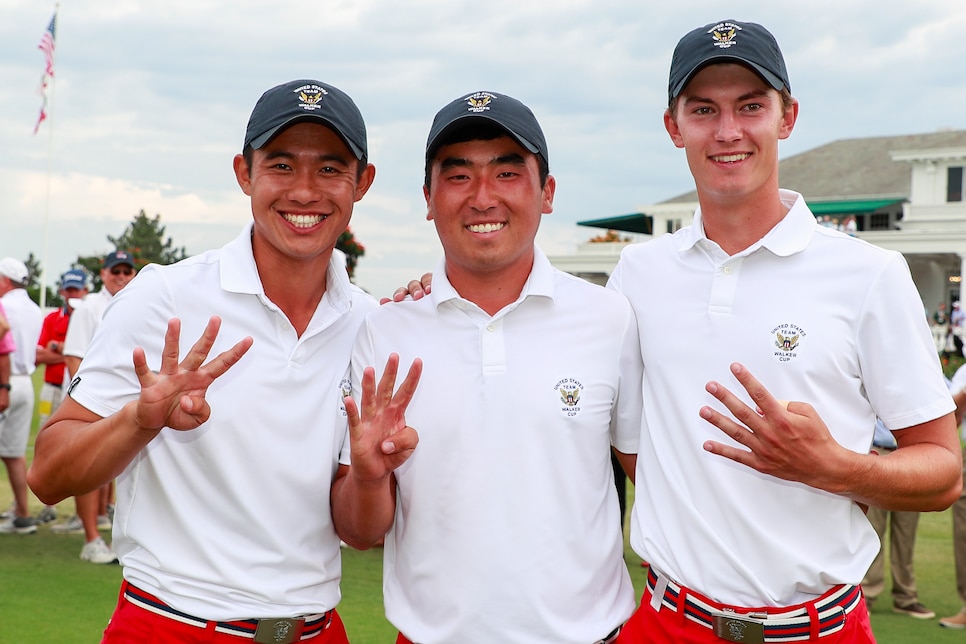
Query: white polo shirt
[[816, 316], [507, 524], [84, 321], [232, 520], [26, 320]]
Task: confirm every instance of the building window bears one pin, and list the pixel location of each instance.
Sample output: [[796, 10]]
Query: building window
[[673, 225], [954, 183], [879, 221]]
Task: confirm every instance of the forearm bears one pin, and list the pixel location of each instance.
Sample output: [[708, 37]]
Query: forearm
[[48, 356], [363, 511], [77, 451], [920, 476]]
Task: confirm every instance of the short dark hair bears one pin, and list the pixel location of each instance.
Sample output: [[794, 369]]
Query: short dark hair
[[477, 130]]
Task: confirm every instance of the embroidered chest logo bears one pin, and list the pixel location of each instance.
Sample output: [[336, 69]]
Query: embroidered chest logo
[[569, 391], [788, 337], [345, 390]]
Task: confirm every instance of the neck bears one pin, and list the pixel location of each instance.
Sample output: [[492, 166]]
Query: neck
[[296, 289], [735, 224], [489, 291]]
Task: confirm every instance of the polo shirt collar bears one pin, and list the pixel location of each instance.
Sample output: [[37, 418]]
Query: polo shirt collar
[[239, 275], [791, 235], [539, 283]]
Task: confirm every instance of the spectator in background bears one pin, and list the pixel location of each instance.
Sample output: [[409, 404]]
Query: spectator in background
[[902, 528], [940, 329], [956, 320], [50, 346], [25, 319]]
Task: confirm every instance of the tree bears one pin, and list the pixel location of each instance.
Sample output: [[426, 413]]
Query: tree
[[143, 239], [33, 283], [353, 250]]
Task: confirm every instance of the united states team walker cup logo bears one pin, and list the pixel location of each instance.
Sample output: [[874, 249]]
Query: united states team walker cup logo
[[724, 34], [310, 96], [479, 102], [569, 391], [788, 337]]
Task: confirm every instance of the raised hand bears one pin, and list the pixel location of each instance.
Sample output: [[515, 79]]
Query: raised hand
[[174, 396], [784, 439], [380, 439]]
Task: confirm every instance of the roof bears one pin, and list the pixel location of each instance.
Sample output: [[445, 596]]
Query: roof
[[636, 222], [854, 168]]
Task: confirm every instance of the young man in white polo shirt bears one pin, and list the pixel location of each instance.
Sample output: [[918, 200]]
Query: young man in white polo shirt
[[749, 507], [216, 463], [504, 518]]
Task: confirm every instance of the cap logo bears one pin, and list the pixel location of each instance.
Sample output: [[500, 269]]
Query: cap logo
[[724, 34], [310, 97], [479, 102]]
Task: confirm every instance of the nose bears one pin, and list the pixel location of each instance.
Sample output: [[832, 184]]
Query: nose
[[484, 194], [304, 187], [729, 128]]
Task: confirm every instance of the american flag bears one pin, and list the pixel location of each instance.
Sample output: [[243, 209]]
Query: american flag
[[47, 42]]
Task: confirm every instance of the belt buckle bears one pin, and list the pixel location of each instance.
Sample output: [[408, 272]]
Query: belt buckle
[[278, 631], [738, 628]]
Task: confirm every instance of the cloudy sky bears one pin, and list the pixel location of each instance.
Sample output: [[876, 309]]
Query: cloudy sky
[[150, 102]]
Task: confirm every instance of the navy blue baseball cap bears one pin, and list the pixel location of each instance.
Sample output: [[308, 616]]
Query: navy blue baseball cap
[[508, 113], [306, 100], [747, 43], [74, 278], [118, 258]]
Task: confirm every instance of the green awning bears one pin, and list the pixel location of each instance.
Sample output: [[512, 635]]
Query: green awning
[[636, 222], [850, 207]]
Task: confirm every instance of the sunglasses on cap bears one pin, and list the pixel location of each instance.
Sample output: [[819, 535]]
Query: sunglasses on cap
[[122, 270]]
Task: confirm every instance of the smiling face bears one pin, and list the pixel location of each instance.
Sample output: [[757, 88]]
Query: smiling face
[[302, 184], [117, 277], [729, 122], [486, 200]]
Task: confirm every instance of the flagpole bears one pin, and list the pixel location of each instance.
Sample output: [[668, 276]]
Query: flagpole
[[50, 156]]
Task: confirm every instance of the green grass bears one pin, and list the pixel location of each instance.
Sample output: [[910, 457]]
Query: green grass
[[47, 594]]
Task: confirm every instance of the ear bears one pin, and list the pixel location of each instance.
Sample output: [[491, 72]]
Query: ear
[[429, 209], [671, 125], [548, 190], [242, 174], [365, 181], [789, 118]]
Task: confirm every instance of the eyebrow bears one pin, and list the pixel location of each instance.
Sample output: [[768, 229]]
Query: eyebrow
[[755, 94], [283, 154], [513, 158]]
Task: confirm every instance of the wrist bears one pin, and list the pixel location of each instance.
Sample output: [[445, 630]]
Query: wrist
[[5, 386]]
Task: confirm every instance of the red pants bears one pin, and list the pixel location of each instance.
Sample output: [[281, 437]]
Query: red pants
[[131, 624], [669, 627]]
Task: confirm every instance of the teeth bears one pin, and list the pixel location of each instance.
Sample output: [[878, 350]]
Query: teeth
[[731, 158], [485, 228], [304, 221]]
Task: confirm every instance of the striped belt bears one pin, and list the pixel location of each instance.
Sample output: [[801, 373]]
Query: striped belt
[[263, 631], [818, 618]]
